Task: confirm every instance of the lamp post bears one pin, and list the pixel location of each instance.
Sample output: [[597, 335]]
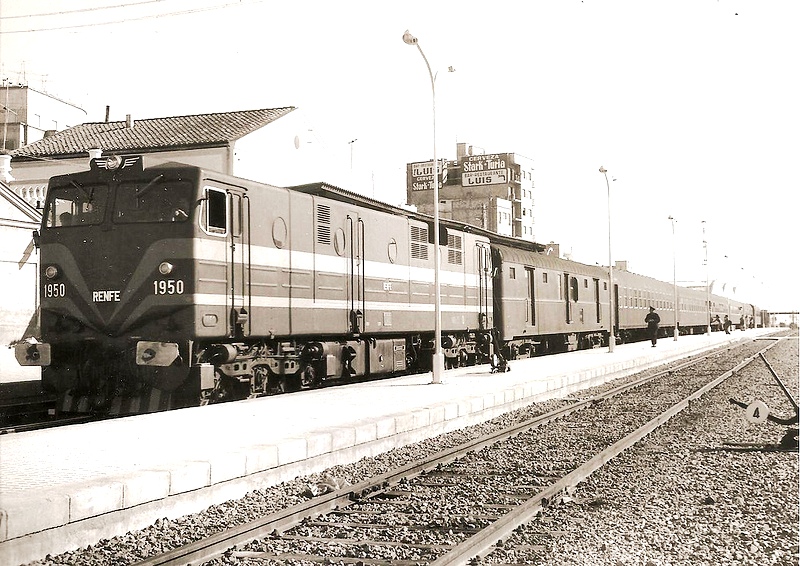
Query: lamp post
[[674, 280], [351, 142], [438, 356], [611, 337], [708, 289]]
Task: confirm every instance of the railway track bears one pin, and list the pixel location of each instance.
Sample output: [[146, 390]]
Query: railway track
[[25, 412], [40, 424], [464, 502]]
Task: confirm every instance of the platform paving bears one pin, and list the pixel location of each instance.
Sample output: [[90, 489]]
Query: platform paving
[[65, 488]]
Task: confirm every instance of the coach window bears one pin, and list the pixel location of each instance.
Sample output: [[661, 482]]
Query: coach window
[[216, 213]]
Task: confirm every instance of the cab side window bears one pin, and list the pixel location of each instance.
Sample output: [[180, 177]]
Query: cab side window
[[216, 211]]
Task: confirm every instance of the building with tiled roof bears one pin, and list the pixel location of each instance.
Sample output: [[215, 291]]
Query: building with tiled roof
[[236, 143], [151, 135]]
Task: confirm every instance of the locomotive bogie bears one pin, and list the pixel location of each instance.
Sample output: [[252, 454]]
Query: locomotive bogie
[[270, 368]]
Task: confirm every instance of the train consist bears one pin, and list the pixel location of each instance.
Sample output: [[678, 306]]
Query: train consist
[[176, 286]]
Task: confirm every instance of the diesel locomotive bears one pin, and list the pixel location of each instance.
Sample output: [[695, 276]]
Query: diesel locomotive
[[173, 286]]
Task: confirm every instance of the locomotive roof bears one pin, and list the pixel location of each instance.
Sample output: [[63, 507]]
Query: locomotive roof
[[153, 134], [335, 193]]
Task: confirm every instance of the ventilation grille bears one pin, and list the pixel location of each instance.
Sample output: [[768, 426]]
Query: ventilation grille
[[323, 224], [419, 243], [454, 252]]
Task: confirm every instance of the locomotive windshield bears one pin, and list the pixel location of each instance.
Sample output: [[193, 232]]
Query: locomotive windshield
[[76, 205], [157, 200]]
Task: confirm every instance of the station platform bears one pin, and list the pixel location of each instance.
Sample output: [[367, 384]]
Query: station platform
[[64, 488]]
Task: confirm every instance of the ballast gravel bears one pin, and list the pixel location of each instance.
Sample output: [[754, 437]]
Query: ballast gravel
[[680, 497], [686, 495]]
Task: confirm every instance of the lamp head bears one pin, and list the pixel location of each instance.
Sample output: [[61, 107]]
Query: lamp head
[[409, 39]]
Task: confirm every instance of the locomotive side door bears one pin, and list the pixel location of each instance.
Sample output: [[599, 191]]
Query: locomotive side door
[[567, 304], [238, 268], [530, 283], [356, 304], [484, 268]]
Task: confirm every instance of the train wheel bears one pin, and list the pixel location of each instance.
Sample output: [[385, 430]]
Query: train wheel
[[411, 360], [259, 384], [276, 385], [309, 377], [223, 390]]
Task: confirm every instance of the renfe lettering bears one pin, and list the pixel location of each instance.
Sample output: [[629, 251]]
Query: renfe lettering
[[105, 296]]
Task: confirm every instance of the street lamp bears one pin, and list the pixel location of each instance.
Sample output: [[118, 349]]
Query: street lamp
[[611, 337], [674, 279], [351, 142], [708, 289], [438, 356]]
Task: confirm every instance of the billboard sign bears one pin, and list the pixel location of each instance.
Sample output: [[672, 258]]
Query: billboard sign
[[492, 177], [491, 169], [420, 175]]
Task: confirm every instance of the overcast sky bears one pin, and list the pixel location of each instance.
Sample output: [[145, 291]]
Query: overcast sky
[[691, 106]]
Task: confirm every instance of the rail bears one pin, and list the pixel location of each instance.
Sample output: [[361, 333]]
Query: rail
[[482, 541]]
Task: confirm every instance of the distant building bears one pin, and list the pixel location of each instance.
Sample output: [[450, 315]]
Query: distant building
[[29, 115], [492, 191]]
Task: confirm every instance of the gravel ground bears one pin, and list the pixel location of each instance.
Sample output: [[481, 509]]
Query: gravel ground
[[679, 498], [675, 499]]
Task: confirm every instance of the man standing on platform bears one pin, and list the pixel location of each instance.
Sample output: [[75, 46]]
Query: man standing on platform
[[652, 319]]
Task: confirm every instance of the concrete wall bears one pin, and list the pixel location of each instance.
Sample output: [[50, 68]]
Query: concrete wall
[[18, 285]]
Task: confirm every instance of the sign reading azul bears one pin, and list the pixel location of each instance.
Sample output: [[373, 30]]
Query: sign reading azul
[[420, 175], [485, 169]]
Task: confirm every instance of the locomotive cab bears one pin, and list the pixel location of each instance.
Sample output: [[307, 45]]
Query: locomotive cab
[[116, 272]]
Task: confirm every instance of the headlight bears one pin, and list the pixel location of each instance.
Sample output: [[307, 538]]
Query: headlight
[[51, 272], [113, 162], [165, 268]]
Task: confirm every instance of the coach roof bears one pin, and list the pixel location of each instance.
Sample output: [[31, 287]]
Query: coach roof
[[542, 260], [153, 134]]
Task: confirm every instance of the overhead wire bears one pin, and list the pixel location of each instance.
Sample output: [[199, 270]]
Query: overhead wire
[[79, 10], [132, 19]]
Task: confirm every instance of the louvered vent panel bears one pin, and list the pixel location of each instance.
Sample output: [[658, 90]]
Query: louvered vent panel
[[419, 243], [454, 250], [323, 224]]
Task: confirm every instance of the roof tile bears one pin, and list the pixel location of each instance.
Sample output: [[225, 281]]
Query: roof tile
[[153, 133]]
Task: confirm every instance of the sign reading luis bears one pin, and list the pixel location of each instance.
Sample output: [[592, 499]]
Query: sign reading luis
[[485, 170], [420, 175]]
